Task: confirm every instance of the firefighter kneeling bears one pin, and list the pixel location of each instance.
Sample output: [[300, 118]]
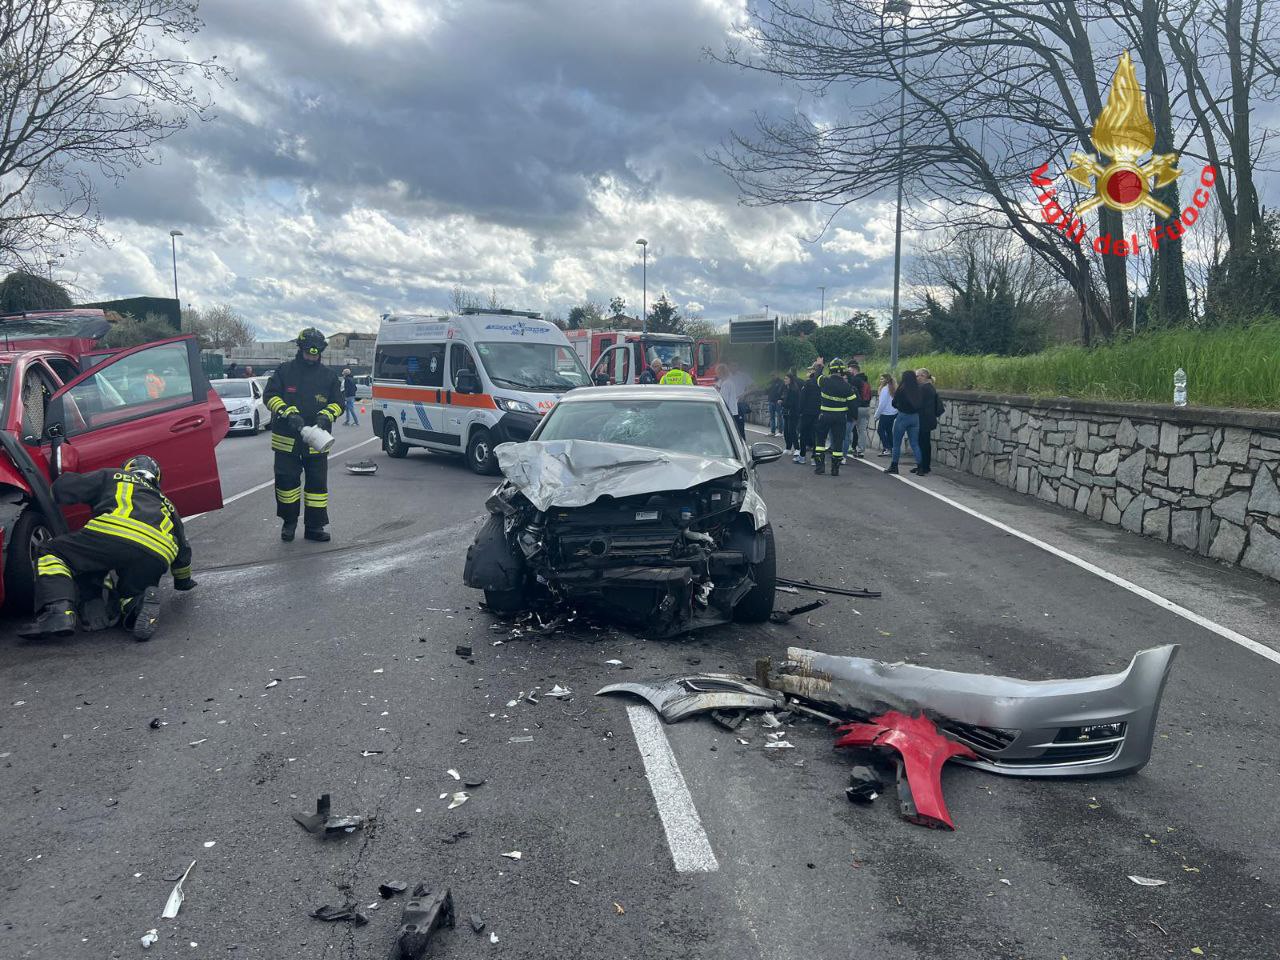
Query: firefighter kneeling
[[135, 531], [833, 414], [302, 394]]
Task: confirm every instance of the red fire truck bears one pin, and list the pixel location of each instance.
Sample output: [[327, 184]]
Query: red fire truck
[[620, 356]]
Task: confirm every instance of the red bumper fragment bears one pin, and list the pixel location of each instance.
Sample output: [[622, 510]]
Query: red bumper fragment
[[923, 751]]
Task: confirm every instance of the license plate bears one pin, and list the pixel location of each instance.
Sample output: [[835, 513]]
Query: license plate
[[647, 515]]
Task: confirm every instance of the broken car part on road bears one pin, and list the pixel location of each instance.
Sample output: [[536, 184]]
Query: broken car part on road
[[1026, 728], [661, 541], [823, 588], [678, 697], [423, 916], [322, 822]]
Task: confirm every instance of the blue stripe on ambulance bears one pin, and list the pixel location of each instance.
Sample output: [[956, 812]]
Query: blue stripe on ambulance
[[422, 415]]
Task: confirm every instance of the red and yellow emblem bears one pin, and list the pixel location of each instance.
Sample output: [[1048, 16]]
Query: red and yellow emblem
[[1124, 132]]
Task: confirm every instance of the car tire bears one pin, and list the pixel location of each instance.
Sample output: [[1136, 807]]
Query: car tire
[[505, 603], [257, 424], [480, 457], [756, 606], [29, 532], [392, 443]]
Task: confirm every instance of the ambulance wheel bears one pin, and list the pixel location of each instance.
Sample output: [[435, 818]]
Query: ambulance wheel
[[480, 456], [392, 443], [28, 535]]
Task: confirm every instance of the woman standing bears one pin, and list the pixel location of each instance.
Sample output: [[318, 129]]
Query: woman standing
[[931, 409], [885, 413], [907, 401], [791, 411]]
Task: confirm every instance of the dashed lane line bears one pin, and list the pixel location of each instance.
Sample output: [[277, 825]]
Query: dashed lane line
[[690, 848], [262, 486], [1253, 646]]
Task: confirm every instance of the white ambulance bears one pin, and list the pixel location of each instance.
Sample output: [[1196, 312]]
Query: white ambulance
[[466, 383]]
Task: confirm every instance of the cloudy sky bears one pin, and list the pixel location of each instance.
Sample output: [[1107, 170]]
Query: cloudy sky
[[371, 154]]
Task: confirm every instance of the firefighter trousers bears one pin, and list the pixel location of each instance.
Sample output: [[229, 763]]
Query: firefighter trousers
[[87, 553], [290, 494], [830, 436]]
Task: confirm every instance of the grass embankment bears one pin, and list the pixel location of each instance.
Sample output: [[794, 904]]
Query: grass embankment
[[1226, 367]]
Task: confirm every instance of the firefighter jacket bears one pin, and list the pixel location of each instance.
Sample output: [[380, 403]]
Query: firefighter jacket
[[836, 394], [810, 401], [127, 507], [307, 389], [676, 378]]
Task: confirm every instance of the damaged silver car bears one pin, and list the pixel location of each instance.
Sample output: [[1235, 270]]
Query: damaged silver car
[[640, 503]]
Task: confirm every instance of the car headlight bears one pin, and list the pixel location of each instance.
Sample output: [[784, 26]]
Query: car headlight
[[240, 411], [514, 406]]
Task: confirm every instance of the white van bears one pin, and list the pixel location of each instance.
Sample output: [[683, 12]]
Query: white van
[[466, 383]]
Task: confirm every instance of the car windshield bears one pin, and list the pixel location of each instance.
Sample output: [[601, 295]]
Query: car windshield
[[549, 367], [232, 388], [668, 353], [681, 426]]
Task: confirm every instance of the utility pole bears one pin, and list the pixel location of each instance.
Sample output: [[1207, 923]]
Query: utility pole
[[822, 313], [902, 7], [173, 240], [644, 281]]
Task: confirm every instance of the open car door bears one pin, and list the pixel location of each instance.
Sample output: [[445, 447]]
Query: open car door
[[152, 399]]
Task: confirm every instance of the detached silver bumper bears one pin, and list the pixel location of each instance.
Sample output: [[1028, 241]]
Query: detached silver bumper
[[1022, 728]]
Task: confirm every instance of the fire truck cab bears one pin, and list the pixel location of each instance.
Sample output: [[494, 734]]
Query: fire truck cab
[[620, 356]]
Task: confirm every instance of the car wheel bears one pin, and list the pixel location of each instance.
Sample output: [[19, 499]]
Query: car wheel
[[480, 456], [756, 606], [29, 534], [257, 424], [392, 443], [503, 603]]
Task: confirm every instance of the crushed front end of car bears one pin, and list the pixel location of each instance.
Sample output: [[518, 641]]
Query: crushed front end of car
[[658, 541]]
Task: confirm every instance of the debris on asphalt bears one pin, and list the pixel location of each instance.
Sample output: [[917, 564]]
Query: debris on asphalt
[[730, 720], [361, 467], [176, 896], [148, 938], [678, 697], [923, 751], [462, 650], [456, 836], [782, 616], [559, 692], [458, 799], [781, 589], [617, 908], [454, 773], [520, 740], [493, 938], [423, 916], [513, 855], [770, 719], [349, 914], [472, 782], [391, 888], [823, 588], [156, 723], [323, 822], [477, 924], [370, 753], [274, 681], [864, 785], [1148, 881]]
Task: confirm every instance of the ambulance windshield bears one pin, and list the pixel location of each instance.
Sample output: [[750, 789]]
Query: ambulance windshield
[[541, 367]]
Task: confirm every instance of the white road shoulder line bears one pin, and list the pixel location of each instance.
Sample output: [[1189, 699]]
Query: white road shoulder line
[[262, 486], [690, 848], [1253, 646]]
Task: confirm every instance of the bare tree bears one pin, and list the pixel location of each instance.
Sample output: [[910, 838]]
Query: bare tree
[[86, 86], [218, 328]]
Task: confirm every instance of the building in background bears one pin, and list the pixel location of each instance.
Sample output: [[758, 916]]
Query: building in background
[[354, 350]]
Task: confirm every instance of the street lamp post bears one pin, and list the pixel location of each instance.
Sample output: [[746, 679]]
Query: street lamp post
[[902, 7], [644, 282], [822, 312], [173, 240]]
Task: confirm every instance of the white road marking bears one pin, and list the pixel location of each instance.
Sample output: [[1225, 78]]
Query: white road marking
[[262, 486], [690, 849], [1253, 646]]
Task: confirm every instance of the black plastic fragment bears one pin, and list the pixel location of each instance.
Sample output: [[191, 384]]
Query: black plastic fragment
[[823, 588], [782, 616], [864, 785], [462, 650], [472, 782], [389, 890], [347, 913], [423, 916], [322, 822], [455, 837], [729, 719], [476, 923], [155, 723]]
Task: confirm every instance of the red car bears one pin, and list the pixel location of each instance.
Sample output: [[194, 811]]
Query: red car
[[68, 404]]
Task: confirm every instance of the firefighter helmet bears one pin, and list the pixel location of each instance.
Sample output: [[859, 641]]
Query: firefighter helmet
[[144, 467], [311, 342]]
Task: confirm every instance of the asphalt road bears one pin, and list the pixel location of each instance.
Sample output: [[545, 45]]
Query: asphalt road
[[100, 809]]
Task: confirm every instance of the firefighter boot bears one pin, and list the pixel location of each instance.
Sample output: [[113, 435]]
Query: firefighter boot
[[288, 530], [835, 467], [56, 619], [318, 534], [147, 614], [819, 464]]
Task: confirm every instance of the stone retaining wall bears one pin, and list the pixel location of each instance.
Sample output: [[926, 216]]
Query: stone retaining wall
[[1204, 479]]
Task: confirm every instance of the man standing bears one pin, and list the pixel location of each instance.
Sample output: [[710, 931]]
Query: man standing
[[810, 407], [302, 393], [349, 394], [677, 376], [730, 387], [859, 411], [776, 391], [833, 393], [931, 409], [651, 374]]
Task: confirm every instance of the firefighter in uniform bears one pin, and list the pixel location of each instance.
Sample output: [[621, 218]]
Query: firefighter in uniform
[[678, 375], [135, 531], [833, 413], [302, 393]]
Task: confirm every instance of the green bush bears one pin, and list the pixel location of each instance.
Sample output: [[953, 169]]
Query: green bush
[[1226, 367]]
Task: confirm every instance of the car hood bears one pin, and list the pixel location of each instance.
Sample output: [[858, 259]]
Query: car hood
[[575, 473]]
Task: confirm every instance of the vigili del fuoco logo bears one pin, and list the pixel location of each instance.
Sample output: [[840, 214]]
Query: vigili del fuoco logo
[[1123, 133]]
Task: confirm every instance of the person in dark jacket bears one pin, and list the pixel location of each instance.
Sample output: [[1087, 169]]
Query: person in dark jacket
[[859, 412], [810, 408], [776, 392], [349, 397], [302, 393], [908, 401], [791, 412], [833, 418], [931, 409], [134, 531]]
